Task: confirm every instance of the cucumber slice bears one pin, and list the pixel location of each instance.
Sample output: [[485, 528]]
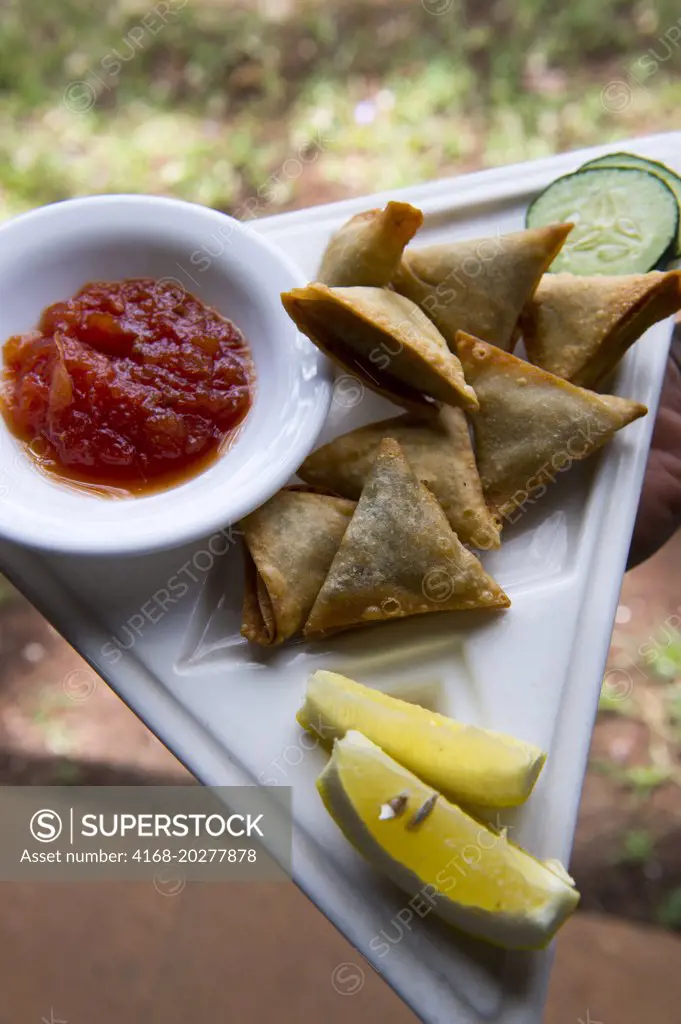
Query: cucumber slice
[[668, 176], [626, 220]]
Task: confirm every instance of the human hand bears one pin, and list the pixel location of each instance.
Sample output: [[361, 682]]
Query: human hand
[[659, 510]]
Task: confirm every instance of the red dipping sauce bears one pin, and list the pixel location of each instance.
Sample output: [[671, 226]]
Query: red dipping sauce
[[132, 386]]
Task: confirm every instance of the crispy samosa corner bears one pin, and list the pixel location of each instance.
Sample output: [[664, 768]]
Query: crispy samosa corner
[[398, 557], [368, 248], [383, 339], [438, 448], [479, 286], [580, 327], [532, 425], [290, 542]]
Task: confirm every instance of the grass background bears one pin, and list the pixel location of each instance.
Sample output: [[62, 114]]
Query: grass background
[[208, 99]]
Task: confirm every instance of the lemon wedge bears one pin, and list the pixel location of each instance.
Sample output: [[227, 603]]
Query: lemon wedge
[[473, 765], [469, 874]]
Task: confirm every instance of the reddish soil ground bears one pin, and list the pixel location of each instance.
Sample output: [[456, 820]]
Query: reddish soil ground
[[119, 952]]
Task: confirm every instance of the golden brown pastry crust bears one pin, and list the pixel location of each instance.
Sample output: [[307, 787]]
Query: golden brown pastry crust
[[383, 339], [367, 249], [398, 557], [289, 544], [480, 285], [532, 425], [580, 327], [438, 448]]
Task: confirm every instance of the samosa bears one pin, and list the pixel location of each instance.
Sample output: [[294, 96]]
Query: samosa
[[580, 327], [367, 249], [438, 448], [399, 556], [384, 340], [532, 425], [290, 542], [479, 285]]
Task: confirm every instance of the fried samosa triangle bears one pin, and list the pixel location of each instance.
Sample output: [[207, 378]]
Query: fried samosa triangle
[[399, 556], [438, 448], [290, 542], [580, 327], [532, 425], [384, 340], [368, 248], [480, 285]]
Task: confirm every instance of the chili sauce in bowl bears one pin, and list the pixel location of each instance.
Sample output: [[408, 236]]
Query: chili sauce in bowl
[[128, 387]]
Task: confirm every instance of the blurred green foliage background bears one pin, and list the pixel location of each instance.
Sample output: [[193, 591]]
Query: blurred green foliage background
[[208, 99]]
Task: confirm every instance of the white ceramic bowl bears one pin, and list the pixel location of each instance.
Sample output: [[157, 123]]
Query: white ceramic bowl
[[50, 253]]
